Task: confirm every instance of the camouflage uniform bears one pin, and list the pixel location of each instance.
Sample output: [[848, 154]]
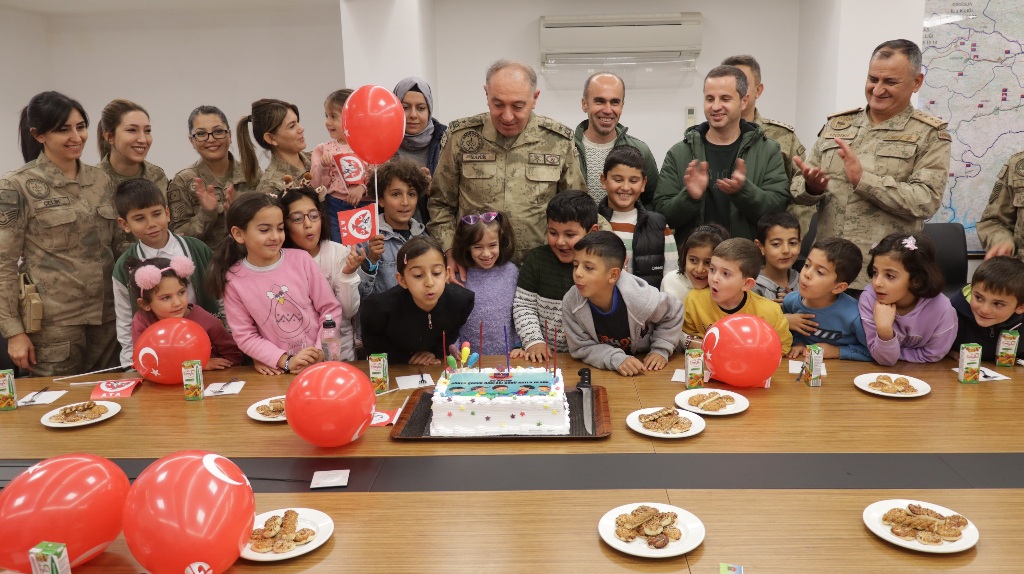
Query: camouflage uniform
[[905, 162], [187, 216], [272, 180], [1003, 218], [785, 136], [477, 173], [64, 229], [154, 173]]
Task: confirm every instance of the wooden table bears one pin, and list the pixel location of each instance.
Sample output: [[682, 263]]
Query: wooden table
[[780, 532]]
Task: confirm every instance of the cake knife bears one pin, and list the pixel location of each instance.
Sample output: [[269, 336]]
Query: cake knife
[[588, 399]]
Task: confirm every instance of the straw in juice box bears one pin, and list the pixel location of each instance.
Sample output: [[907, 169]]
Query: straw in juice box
[[8, 393], [694, 368], [192, 377], [49, 558], [379, 372], [1006, 350], [970, 363], [810, 372]]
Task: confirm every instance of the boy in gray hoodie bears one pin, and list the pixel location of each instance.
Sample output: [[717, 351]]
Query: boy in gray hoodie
[[610, 315]]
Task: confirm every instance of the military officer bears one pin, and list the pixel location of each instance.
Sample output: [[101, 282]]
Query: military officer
[[879, 169], [58, 214], [509, 159], [1001, 227]]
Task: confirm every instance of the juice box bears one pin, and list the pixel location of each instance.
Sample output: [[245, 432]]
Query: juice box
[[192, 377], [379, 372], [694, 368], [8, 394], [970, 363], [810, 373], [49, 558], [1006, 351]]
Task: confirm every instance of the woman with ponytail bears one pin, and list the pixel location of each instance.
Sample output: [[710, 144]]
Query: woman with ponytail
[[276, 128], [124, 137]]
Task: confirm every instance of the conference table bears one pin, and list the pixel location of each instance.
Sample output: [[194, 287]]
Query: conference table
[[780, 487]]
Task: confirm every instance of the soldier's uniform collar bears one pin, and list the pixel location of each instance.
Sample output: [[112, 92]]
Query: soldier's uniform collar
[[527, 136], [233, 176], [897, 122], [57, 177]]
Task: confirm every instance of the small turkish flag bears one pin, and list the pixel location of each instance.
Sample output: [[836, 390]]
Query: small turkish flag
[[358, 225], [114, 389]]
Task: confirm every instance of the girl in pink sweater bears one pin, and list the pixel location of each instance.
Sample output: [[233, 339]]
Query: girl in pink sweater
[[275, 299]]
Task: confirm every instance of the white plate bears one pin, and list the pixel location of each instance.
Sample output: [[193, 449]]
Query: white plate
[[739, 406], [691, 527], [308, 518], [862, 382], [112, 409], [873, 520], [251, 411], [633, 422]]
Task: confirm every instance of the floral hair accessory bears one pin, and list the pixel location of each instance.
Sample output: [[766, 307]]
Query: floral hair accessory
[[148, 276], [910, 243]]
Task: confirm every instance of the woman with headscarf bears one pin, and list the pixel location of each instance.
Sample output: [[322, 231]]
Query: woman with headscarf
[[422, 142]]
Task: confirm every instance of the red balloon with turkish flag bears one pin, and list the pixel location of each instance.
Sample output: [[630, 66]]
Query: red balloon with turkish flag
[[75, 499], [190, 509], [165, 345], [330, 404], [374, 123], [742, 350]]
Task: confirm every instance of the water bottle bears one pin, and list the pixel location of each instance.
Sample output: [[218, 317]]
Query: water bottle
[[330, 340]]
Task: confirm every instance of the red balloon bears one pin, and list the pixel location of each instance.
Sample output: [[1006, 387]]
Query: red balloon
[[742, 350], [72, 498], [165, 345], [191, 509], [374, 123], [330, 404]]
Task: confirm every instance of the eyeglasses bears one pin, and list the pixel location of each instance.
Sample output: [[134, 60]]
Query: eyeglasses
[[217, 134], [474, 218], [297, 218]]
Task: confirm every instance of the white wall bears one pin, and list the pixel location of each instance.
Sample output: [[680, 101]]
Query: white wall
[[388, 40], [26, 71]]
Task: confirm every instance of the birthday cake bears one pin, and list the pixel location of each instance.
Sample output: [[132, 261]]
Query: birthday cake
[[527, 401]]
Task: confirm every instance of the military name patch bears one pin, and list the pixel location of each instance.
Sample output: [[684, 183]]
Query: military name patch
[[37, 188], [471, 141], [1019, 168], [829, 134], [52, 202], [545, 159], [902, 138], [485, 156]]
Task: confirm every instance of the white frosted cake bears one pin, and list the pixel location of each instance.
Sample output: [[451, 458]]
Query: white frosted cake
[[527, 401]]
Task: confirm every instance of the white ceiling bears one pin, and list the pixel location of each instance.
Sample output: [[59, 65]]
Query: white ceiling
[[67, 7]]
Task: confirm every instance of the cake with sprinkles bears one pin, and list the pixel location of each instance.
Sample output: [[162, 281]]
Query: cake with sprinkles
[[489, 402]]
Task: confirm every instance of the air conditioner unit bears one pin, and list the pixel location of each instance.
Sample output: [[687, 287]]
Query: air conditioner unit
[[626, 39]]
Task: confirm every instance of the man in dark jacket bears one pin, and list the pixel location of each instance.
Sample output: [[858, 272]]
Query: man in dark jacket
[[725, 170]]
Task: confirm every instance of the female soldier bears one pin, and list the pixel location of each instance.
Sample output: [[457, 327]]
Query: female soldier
[[125, 136], [275, 125], [58, 214], [199, 195]]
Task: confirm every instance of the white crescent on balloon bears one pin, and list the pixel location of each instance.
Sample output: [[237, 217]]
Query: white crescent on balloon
[[210, 462], [713, 329], [147, 351]]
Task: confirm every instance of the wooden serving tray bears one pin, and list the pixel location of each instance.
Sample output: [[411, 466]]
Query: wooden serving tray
[[414, 422]]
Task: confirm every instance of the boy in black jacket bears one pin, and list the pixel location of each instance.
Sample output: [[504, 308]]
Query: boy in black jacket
[[993, 303]]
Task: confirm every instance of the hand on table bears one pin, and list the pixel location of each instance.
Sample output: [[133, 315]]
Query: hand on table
[[630, 367], [537, 353]]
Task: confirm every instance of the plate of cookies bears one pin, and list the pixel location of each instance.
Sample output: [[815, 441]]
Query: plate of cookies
[[717, 402], [920, 526], [287, 533], [665, 422], [892, 385], [651, 530], [80, 414], [268, 410]]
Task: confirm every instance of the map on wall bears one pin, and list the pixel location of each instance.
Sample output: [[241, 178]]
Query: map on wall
[[974, 79]]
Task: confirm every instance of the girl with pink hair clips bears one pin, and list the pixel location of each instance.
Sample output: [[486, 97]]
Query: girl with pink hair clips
[[162, 286]]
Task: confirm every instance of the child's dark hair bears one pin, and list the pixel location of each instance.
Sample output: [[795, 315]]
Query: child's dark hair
[[45, 112], [707, 235], [783, 219], [132, 264], [844, 255], [744, 253], [338, 97], [573, 205], [466, 234], [626, 155], [917, 255], [137, 194], [403, 169], [606, 245], [1002, 275], [243, 209], [290, 196], [414, 248]]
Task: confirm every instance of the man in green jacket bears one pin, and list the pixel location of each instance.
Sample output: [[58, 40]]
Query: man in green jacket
[[725, 170], [604, 95]]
